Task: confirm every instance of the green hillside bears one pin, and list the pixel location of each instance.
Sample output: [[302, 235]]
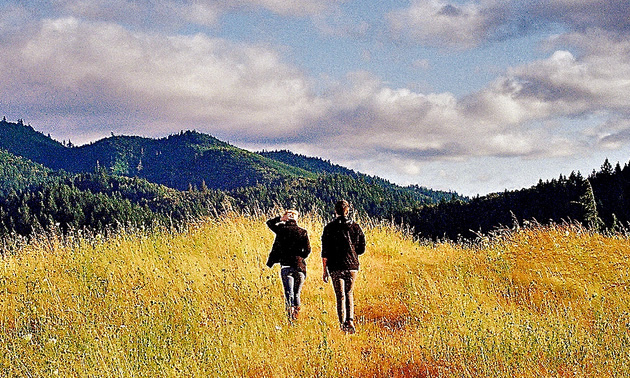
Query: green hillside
[[413, 193], [136, 181], [180, 161], [185, 160], [142, 181], [17, 173], [23, 140], [311, 164]]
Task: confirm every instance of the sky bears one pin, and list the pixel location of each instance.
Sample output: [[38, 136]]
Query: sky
[[468, 96]]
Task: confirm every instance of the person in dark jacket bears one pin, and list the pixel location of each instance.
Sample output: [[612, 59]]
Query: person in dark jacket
[[342, 243], [290, 248]]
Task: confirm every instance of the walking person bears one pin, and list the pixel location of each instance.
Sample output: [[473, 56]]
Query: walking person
[[290, 247], [342, 243]]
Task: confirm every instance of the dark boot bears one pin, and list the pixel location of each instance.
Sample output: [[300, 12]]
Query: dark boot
[[349, 326]]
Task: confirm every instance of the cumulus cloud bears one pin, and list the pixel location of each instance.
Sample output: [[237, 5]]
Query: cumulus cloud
[[579, 15], [95, 69], [614, 133], [438, 23], [564, 84], [444, 23], [512, 116], [372, 118], [67, 71], [143, 83]]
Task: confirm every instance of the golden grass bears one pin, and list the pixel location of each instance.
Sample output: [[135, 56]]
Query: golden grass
[[535, 302]]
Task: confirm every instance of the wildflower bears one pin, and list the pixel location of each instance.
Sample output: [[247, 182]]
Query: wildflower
[[28, 337]]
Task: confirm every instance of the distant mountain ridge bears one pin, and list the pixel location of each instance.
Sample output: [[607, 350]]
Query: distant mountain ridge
[[312, 164], [191, 160], [22, 140], [131, 181], [178, 161]]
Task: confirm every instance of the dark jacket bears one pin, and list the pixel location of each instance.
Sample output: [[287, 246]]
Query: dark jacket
[[291, 246], [342, 243]]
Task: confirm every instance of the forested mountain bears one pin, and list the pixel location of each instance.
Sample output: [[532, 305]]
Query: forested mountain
[[135, 181], [419, 194], [99, 202], [130, 180], [17, 173], [178, 161], [311, 164], [553, 201], [181, 161], [23, 140]]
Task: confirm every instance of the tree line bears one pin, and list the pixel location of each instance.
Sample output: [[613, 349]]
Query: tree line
[[101, 201], [599, 201], [35, 199], [139, 182]]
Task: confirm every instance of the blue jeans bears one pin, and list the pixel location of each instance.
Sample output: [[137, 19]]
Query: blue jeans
[[292, 280]]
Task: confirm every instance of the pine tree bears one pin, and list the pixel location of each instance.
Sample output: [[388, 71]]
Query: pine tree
[[607, 168], [587, 200]]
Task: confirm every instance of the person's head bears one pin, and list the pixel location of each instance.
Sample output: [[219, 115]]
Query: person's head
[[342, 207], [291, 214]]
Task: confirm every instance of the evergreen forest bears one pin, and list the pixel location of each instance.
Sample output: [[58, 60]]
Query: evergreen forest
[[131, 181]]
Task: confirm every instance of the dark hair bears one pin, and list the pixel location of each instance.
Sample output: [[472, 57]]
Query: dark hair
[[342, 207]]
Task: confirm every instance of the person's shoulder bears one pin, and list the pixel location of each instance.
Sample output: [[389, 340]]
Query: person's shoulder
[[330, 225], [355, 225]]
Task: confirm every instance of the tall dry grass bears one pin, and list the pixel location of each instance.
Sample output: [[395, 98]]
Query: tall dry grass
[[535, 302]]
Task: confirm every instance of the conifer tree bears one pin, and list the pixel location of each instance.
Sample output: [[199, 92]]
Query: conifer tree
[[589, 205]]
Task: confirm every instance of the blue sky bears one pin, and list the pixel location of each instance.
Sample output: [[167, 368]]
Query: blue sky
[[471, 96]]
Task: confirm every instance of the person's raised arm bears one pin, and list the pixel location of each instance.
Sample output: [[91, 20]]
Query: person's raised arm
[[273, 223]]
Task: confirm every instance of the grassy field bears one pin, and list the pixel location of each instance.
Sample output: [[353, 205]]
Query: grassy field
[[535, 302]]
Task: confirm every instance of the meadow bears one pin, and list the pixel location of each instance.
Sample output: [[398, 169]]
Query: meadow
[[538, 301]]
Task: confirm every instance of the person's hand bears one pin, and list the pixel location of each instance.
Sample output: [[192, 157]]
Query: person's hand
[[284, 217], [325, 276]]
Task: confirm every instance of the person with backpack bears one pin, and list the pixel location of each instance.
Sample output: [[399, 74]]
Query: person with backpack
[[290, 249], [342, 243]]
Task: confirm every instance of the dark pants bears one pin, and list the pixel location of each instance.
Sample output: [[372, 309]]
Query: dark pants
[[292, 281], [343, 282]]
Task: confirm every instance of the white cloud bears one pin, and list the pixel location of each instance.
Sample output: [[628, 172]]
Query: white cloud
[[510, 117], [579, 15], [444, 23], [440, 23], [598, 80], [70, 71], [423, 64], [153, 84], [71, 66]]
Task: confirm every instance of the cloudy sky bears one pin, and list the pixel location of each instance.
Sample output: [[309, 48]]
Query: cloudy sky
[[471, 96]]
